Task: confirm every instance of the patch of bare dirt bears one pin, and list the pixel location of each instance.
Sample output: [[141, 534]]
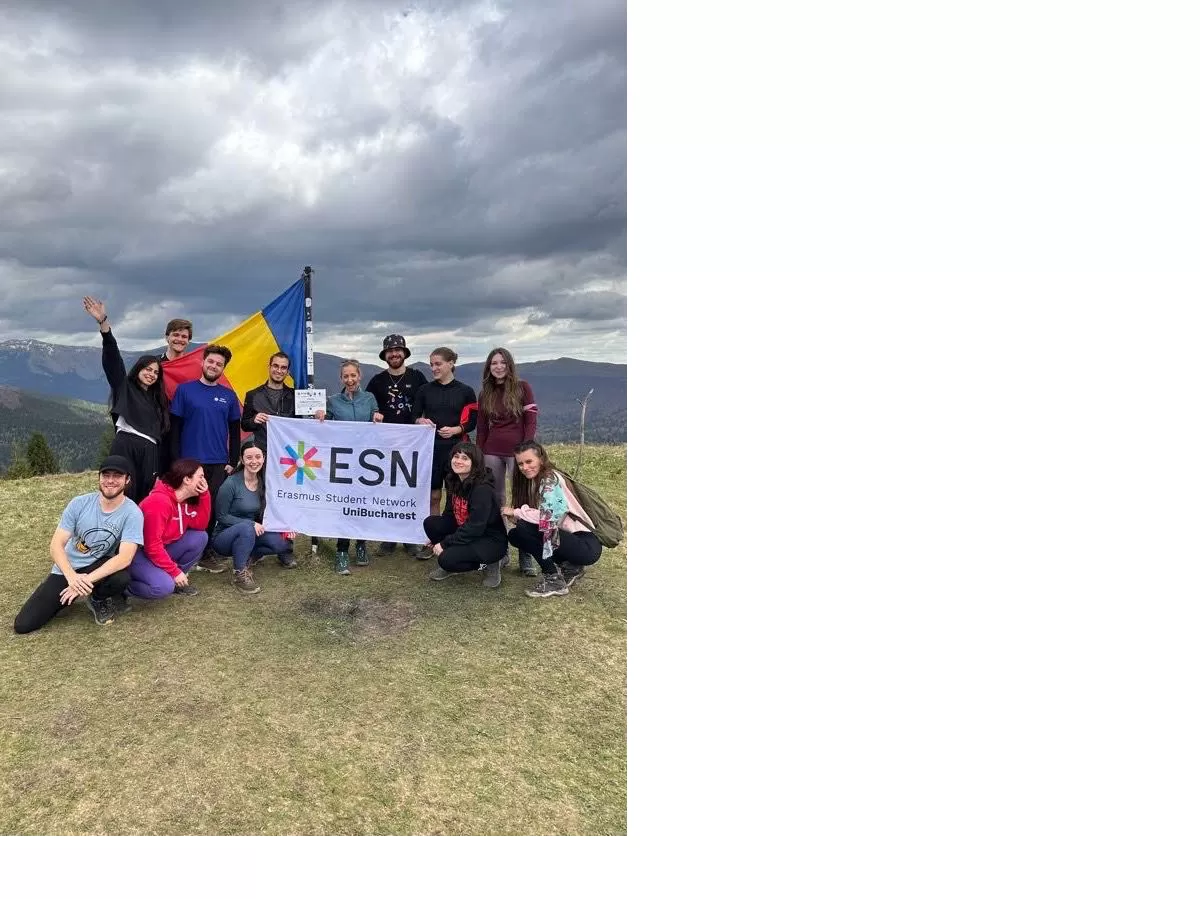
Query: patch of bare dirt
[[364, 617]]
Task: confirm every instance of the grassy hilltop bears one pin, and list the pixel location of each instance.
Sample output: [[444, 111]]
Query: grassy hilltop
[[381, 703]]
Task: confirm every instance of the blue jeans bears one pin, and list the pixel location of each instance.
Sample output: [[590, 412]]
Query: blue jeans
[[240, 542]]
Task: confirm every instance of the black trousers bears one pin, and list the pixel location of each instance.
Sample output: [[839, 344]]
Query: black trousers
[[461, 556], [43, 604], [343, 544], [143, 456], [215, 475], [580, 548]]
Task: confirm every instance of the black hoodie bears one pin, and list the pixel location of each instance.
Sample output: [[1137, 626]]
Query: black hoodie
[[129, 401]]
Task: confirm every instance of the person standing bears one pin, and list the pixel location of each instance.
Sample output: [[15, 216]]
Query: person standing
[[395, 392], [272, 397], [178, 336], [137, 406], [206, 425], [507, 417], [440, 404], [350, 404], [92, 548]]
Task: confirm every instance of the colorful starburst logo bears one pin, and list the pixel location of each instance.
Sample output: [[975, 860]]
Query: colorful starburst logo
[[300, 462]]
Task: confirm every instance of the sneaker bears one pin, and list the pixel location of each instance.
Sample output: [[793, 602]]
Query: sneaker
[[529, 566], [571, 573], [440, 574], [187, 590], [120, 604], [491, 575], [101, 610], [244, 581], [503, 561], [386, 549], [549, 585], [341, 563], [360, 555], [211, 563], [412, 549], [424, 553], [288, 560]]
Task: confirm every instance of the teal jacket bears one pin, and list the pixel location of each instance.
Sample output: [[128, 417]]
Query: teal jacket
[[340, 407]]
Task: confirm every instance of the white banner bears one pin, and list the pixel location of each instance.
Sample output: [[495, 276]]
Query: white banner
[[351, 479]]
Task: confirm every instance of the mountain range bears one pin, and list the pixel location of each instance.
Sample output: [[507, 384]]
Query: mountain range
[[43, 385]]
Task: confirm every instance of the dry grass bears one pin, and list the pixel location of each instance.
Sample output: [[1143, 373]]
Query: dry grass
[[381, 703]]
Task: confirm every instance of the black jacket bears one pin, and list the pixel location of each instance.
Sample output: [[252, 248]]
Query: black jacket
[[132, 403], [483, 517], [258, 400]]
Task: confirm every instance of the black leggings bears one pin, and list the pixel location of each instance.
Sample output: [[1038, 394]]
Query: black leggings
[[462, 556], [143, 457], [578, 548], [44, 603]]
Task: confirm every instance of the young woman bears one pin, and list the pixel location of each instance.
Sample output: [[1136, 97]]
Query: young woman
[[549, 523], [350, 404], [469, 531], [440, 404], [239, 531], [137, 405], [507, 417], [175, 532]]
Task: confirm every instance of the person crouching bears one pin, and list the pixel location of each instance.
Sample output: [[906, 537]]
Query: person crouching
[[175, 532], [469, 531]]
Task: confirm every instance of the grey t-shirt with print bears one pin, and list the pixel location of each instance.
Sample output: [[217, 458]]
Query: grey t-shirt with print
[[95, 534]]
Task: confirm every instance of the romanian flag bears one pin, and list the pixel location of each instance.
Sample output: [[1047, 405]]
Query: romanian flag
[[278, 326]]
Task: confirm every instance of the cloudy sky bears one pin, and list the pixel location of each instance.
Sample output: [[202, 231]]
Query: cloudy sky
[[454, 171]]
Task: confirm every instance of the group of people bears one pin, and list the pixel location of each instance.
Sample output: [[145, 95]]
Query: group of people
[[153, 519]]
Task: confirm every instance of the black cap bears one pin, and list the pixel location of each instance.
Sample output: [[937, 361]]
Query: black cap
[[394, 342], [117, 463]]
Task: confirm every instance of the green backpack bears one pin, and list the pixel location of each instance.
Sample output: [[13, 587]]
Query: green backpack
[[606, 524]]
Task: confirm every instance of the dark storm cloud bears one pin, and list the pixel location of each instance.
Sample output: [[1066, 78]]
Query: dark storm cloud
[[445, 169]]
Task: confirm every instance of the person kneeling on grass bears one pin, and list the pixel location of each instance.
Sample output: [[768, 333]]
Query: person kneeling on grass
[[240, 532], [95, 540], [176, 516], [549, 522], [469, 531]]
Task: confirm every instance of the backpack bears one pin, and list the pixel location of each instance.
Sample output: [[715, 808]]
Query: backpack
[[606, 524]]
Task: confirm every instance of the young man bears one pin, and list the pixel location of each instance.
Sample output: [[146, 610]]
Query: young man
[[273, 397], [395, 391], [206, 425], [92, 547], [178, 335]]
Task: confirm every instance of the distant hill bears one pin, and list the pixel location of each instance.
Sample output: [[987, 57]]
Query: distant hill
[[74, 372], [73, 428]]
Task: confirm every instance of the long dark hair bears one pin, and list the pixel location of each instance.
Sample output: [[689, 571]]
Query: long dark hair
[[500, 400], [528, 491], [479, 471], [156, 392]]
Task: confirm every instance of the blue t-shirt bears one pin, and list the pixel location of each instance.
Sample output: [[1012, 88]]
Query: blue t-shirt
[[96, 535], [206, 413]]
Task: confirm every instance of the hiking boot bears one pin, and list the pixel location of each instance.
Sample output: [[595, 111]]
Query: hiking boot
[[412, 549], [503, 561], [571, 573], [529, 565], [491, 575], [187, 590], [424, 553], [101, 610], [549, 585], [440, 574], [288, 560], [211, 563], [244, 581], [360, 555], [341, 563], [386, 549]]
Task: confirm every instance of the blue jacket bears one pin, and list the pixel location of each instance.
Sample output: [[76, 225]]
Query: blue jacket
[[341, 407]]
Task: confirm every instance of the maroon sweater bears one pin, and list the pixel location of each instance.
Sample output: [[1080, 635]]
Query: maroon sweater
[[500, 436]]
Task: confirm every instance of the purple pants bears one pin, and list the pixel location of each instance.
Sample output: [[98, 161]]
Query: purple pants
[[149, 581]]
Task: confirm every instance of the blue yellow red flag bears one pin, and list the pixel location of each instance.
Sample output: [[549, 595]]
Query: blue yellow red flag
[[277, 327]]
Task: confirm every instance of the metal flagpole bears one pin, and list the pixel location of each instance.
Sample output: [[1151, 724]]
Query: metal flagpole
[[315, 542]]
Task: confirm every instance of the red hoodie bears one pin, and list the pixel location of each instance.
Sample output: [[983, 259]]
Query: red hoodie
[[166, 520]]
